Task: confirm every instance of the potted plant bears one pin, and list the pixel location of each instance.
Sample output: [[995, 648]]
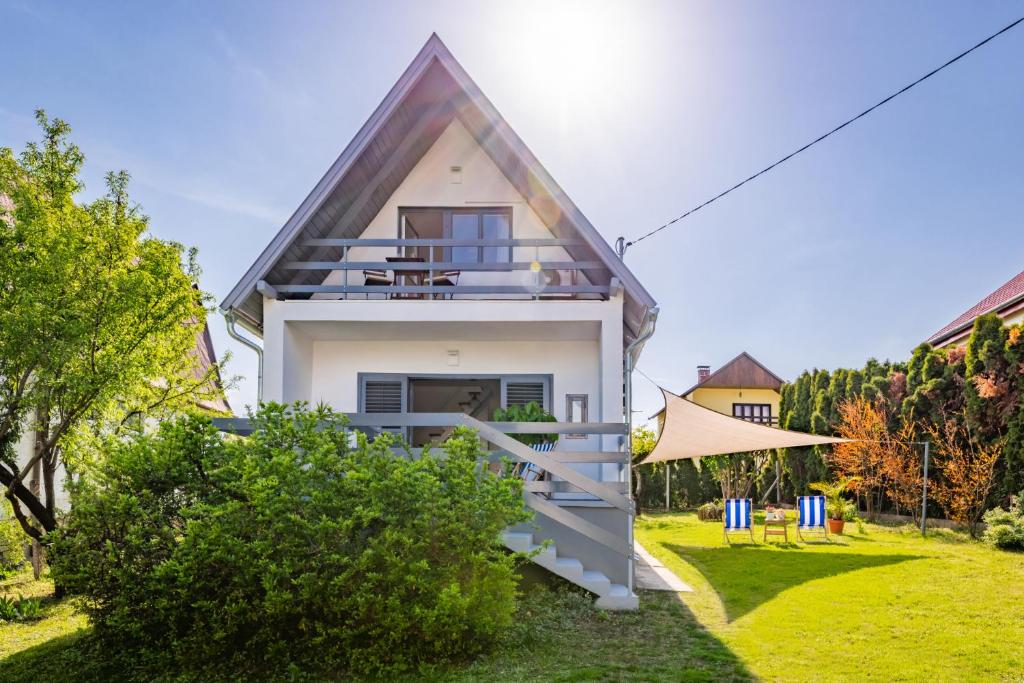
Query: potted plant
[[838, 508], [531, 412]]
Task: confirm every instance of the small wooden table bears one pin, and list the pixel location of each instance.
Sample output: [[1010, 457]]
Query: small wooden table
[[776, 527], [409, 277]]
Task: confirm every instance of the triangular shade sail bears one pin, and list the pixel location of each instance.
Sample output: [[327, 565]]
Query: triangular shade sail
[[693, 431]]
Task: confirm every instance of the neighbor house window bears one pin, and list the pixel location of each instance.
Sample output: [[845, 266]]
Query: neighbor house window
[[459, 224], [575, 411], [753, 412]]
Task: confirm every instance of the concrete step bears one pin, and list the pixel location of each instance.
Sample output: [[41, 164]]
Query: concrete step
[[611, 596], [569, 568], [595, 582], [518, 541], [618, 598]]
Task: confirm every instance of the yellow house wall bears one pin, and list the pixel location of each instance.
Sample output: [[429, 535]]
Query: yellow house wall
[[721, 400], [1010, 320]]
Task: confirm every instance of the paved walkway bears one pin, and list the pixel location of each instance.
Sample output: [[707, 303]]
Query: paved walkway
[[652, 575]]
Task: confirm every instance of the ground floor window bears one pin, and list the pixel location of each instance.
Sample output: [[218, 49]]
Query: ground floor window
[[478, 396]]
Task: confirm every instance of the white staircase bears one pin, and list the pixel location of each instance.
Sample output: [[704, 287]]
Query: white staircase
[[612, 596]]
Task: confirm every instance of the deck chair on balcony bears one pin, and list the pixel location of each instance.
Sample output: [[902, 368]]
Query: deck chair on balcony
[[377, 278], [449, 278], [738, 517], [812, 516]]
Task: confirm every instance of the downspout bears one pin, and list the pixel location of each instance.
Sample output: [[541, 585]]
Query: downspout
[[646, 332], [229, 318]]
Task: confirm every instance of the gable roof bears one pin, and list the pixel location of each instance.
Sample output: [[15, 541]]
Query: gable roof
[[742, 372], [432, 92], [1011, 293], [207, 359]]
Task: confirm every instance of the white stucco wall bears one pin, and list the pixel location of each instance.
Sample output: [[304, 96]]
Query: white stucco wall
[[315, 350], [23, 453], [482, 184], [574, 365]]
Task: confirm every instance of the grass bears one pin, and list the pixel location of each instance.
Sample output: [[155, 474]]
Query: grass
[[881, 605], [59, 627], [886, 604]]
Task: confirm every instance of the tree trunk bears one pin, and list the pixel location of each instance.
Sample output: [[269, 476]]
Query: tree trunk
[[35, 484]]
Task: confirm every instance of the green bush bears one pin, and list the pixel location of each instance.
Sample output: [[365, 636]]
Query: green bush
[[12, 541], [290, 550], [1005, 528], [531, 412], [710, 512]]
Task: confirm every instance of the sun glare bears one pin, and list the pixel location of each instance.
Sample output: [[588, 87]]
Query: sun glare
[[573, 55]]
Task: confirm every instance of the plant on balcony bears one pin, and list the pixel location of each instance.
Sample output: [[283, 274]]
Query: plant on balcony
[[531, 412]]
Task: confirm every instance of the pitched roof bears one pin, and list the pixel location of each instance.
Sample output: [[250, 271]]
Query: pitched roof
[[207, 358], [1010, 293], [432, 92], [742, 372]]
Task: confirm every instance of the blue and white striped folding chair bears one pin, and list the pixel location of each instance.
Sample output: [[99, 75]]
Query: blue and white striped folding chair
[[527, 471], [812, 515], [738, 517]]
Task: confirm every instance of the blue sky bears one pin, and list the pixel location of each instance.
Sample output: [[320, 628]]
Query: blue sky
[[228, 113]]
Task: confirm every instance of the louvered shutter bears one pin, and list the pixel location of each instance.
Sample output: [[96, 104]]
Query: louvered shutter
[[521, 393], [384, 396]]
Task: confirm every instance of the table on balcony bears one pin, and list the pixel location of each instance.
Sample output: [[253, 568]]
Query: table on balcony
[[409, 277]]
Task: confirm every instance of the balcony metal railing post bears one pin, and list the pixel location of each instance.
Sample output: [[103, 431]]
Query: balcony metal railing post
[[344, 257], [430, 269]]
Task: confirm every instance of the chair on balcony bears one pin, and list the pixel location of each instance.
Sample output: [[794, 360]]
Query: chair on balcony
[[449, 278], [377, 278]]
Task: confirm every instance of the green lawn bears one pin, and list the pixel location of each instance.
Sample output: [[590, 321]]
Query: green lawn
[[883, 605]]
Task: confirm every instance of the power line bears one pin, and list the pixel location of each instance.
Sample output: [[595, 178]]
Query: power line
[[622, 245]]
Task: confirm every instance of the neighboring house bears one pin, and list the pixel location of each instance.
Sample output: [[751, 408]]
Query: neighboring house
[[215, 402], [742, 388], [1007, 302], [437, 273]]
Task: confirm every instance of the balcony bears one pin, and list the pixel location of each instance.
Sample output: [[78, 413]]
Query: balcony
[[426, 269]]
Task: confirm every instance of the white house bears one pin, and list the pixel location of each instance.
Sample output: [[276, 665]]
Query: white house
[[436, 273]]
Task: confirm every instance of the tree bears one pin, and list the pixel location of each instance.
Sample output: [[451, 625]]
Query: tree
[[968, 472], [1013, 461], [98, 320], [737, 473], [643, 444], [990, 391], [864, 422]]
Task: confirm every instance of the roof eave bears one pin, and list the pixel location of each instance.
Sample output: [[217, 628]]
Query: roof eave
[[293, 226]]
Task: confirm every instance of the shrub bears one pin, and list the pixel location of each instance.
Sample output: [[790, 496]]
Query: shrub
[[290, 550], [22, 609], [12, 542], [710, 512], [1005, 528]]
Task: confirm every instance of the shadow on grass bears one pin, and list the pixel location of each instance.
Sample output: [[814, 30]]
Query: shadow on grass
[[59, 659], [747, 576], [560, 637]]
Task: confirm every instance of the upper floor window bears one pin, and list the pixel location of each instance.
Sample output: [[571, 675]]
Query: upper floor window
[[460, 224], [753, 412]]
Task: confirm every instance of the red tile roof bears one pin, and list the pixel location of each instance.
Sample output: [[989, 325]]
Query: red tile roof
[[1009, 292], [207, 357]]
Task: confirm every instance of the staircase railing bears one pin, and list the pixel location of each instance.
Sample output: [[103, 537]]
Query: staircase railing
[[557, 463]]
